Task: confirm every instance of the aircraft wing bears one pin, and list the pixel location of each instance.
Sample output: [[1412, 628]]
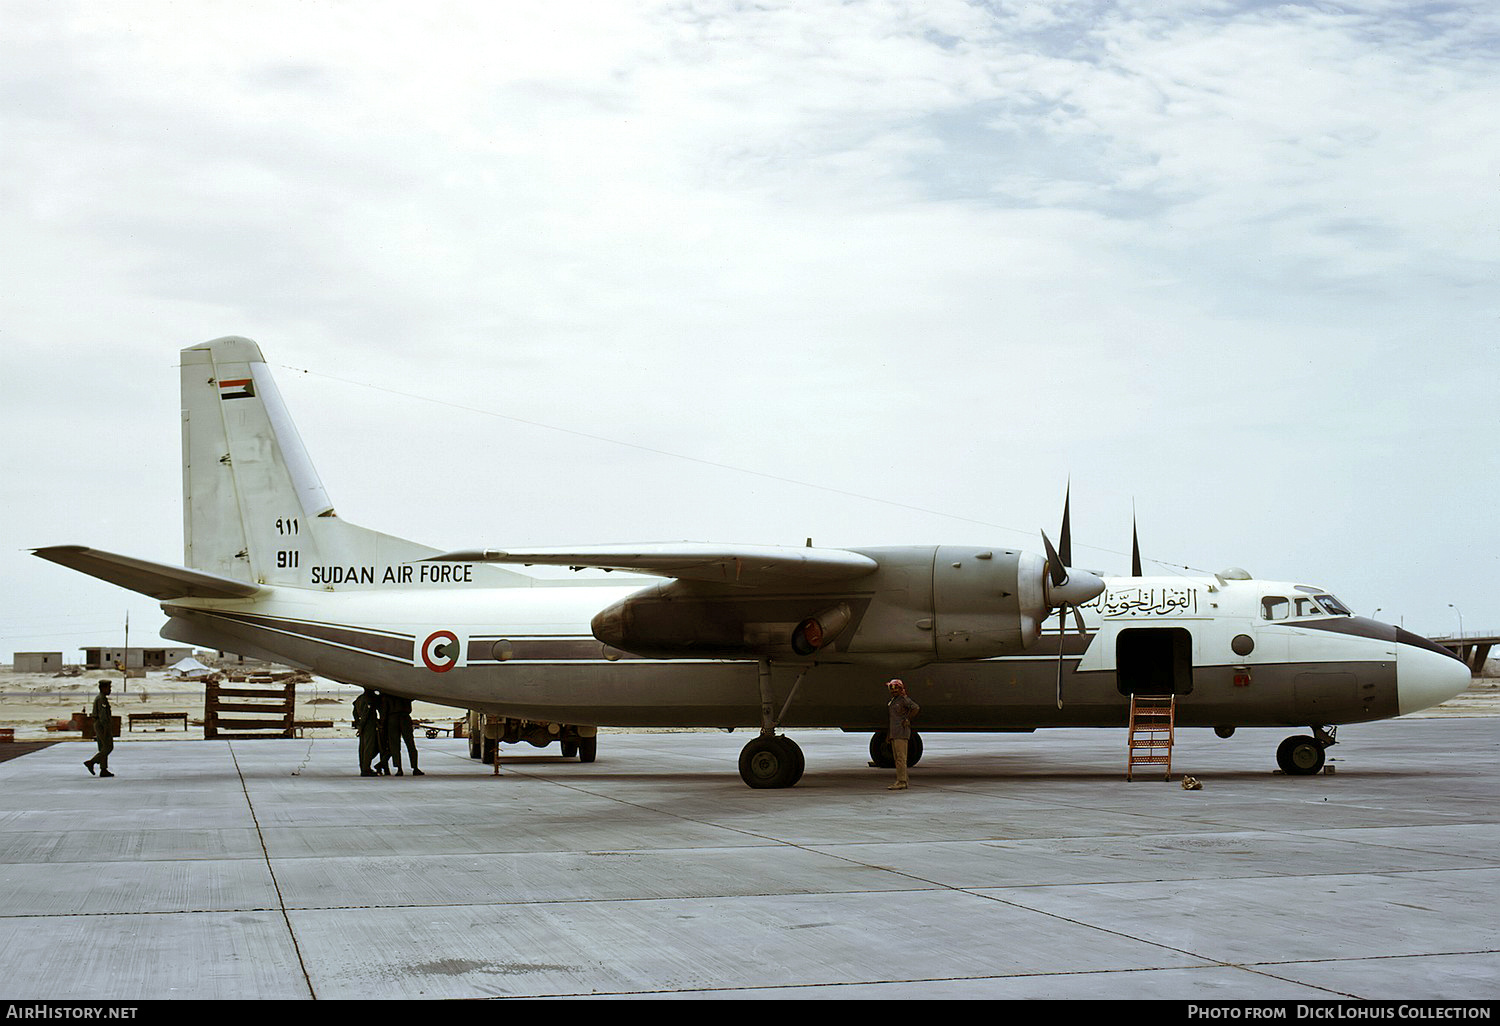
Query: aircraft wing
[[747, 565], [159, 580]]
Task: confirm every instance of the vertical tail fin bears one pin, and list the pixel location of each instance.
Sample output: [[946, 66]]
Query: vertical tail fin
[[254, 508]]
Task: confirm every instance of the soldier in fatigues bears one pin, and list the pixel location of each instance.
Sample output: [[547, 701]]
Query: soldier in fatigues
[[367, 722], [399, 731], [103, 731], [903, 710], [390, 736]]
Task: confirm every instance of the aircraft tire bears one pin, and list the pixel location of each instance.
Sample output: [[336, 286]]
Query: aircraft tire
[[588, 747], [1300, 756], [801, 759], [771, 762], [880, 750]]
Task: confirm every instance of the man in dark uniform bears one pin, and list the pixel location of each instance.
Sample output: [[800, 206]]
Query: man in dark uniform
[[903, 710], [104, 733], [398, 716], [390, 736], [367, 723]]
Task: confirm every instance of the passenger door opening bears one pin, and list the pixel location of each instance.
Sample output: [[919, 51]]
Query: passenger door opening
[[1154, 661]]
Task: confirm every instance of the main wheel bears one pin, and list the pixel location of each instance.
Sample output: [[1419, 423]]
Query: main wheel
[[1300, 756], [771, 761], [588, 747], [881, 755]]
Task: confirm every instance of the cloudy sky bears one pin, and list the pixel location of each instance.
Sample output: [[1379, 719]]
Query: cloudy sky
[[869, 272]]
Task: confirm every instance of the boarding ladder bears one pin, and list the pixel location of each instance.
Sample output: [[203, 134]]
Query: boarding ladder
[[1151, 733]]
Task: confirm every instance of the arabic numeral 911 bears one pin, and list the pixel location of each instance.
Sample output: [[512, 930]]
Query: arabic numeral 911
[[288, 559], [286, 526]]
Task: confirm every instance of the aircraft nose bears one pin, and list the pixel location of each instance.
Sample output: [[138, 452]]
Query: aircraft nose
[[1426, 674]]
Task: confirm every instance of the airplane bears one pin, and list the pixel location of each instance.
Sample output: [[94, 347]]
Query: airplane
[[734, 636]]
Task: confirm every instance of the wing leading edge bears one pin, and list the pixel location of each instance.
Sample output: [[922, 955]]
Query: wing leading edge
[[745, 565]]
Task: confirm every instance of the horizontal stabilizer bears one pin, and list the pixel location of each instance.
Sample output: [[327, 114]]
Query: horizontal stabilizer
[[158, 580], [691, 561]]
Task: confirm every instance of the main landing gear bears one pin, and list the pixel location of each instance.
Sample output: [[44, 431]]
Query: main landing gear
[[772, 759], [1302, 755], [882, 756]]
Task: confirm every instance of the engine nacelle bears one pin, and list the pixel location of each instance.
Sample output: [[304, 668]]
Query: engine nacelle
[[945, 603]]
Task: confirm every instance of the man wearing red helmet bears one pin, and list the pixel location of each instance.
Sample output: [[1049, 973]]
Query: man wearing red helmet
[[903, 710]]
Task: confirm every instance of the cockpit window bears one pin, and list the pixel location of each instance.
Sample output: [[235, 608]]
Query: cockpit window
[[1278, 607], [1333, 607], [1307, 606]]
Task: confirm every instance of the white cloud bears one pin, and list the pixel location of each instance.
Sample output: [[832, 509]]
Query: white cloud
[[1219, 260]]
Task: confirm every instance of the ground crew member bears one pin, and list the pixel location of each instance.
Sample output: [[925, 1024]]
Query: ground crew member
[[104, 731], [398, 715], [367, 723], [903, 710], [390, 736]]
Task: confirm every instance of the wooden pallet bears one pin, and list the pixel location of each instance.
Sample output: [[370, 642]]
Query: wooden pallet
[[270, 708]]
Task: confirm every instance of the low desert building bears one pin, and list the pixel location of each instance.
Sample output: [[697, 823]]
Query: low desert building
[[38, 662]]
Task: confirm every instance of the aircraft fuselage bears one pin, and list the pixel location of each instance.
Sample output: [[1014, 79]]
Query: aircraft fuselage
[[530, 653]]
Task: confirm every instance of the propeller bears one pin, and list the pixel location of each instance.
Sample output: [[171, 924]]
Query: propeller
[[1135, 547], [1066, 587]]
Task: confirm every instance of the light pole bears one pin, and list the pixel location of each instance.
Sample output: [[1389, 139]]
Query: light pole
[[1460, 613]]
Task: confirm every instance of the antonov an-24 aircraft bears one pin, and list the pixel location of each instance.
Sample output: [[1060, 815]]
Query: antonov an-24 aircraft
[[734, 636]]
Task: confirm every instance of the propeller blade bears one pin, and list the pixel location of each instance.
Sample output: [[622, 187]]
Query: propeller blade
[[1055, 566], [1065, 539]]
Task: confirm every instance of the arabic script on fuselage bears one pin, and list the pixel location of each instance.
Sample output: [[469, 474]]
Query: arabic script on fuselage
[[1157, 600]]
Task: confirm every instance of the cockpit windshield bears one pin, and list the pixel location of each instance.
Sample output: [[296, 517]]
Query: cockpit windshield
[[1332, 606], [1296, 607]]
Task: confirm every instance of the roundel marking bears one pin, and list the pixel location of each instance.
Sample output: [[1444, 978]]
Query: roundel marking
[[440, 651]]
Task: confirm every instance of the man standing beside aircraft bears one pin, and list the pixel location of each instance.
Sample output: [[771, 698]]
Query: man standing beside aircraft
[[104, 733], [903, 710], [398, 715], [367, 723]]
